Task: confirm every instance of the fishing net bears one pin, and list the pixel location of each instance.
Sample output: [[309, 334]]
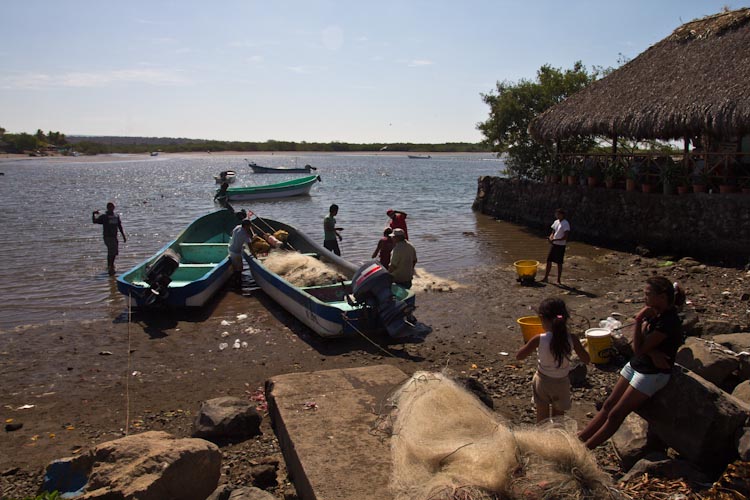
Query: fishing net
[[301, 270], [428, 282], [447, 445]]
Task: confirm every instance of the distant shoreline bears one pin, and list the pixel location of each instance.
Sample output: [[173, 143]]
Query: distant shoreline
[[140, 156]]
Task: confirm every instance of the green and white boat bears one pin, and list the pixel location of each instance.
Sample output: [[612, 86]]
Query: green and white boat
[[295, 187]]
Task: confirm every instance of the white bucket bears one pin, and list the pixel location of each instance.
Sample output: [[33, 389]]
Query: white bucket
[[598, 343]]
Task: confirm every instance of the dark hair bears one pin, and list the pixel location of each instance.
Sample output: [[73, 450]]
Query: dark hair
[[110, 206], [560, 210], [556, 313], [387, 231], [333, 208], [247, 222], [660, 284]]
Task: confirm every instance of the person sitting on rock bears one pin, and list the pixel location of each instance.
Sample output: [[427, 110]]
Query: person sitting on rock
[[658, 335]]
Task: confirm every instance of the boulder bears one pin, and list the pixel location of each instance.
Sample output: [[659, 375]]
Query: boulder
[[710, 327], [264, 476], [659, 465], [149, 466], [742, 391], [633, 441], [226, 418], [708, 359], [743, 446], [226, 492], [697, 419], [737, 342]]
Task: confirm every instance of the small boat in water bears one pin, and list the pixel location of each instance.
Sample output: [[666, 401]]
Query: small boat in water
[[419, 157], [280, 170], [294, 187], [187, 271], [365, 300], [226, 176], [154, 153]]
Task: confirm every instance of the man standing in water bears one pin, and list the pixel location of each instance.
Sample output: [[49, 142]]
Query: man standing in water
[[111, 224], [330, 231], [558, 239], [403, 259]]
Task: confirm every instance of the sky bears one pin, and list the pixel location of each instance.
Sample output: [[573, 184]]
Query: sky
[[315, 70]]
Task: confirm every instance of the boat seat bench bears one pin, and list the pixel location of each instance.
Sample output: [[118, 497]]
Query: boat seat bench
[[203, 252]]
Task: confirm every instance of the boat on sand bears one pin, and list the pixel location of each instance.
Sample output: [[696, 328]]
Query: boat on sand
[[349, 300], [188, 270]]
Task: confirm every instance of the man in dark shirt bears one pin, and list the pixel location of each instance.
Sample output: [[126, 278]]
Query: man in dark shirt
[[111, 223]]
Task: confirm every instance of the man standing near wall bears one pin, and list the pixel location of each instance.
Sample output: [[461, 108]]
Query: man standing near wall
[[558, 239]]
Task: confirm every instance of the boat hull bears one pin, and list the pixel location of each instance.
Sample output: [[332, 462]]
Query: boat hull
[[204, 265], [330, 318], [280, 170], [297, 187]]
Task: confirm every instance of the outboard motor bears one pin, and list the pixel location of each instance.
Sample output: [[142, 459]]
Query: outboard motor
[[371, 285], [158, 274]]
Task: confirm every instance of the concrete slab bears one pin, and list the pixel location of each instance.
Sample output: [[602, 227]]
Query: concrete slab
[[330, 452]]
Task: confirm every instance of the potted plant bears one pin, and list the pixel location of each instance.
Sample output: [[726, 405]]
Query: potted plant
[[683, 183], [593, 172], [728, 184], [631, 175], [613, 172], [700, 181], [669, 172]]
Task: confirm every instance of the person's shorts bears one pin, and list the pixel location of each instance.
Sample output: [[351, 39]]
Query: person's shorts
[[332, 245], [551, 391], [236, 260], [113, 245], [556, 254], [646, 383]]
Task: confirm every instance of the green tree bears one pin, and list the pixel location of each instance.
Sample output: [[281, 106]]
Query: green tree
[[514, 105], [18, 143]]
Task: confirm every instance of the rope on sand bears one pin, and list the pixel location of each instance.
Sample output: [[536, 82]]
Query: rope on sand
[[127, 375]]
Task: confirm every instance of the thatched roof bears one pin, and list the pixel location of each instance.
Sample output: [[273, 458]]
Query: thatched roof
[[695, 80]]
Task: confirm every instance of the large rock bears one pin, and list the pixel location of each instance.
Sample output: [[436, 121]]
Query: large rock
[[149, 466], [632, 441], [227, 418], [660, 465], [742, 391], [226, 492], [708, 359], [697, 419], [737, 342]]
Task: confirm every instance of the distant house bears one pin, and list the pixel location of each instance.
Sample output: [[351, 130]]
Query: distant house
[[692, 86]]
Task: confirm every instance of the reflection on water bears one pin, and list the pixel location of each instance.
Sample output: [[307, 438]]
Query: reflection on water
[[55, 260]]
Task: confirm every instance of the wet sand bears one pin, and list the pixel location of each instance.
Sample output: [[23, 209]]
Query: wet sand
[[84, 381]]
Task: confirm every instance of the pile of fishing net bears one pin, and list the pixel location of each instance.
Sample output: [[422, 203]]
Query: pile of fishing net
[[301, 270], [262, 244], [447, 445]]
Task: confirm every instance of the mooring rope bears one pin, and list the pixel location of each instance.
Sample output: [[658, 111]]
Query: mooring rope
[[346, 320], [127, 375]]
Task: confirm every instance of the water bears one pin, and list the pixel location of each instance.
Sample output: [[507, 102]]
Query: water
[[54, 259]]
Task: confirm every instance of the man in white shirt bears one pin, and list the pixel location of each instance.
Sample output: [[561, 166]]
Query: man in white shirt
[[558, 239]]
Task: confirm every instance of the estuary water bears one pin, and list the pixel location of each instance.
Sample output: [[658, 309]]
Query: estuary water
[[54, 259]]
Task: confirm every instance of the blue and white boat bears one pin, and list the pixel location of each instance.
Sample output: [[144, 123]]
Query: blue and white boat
[[187, 271], [337, 309]]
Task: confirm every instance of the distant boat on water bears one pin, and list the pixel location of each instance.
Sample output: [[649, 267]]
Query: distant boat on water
[[154, 153], [258, 169], [294, 187], [419, 157]]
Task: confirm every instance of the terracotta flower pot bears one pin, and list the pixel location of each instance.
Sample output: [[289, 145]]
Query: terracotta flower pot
[[592, 181], [699, 188], [726, 188], [647, 188], [609, 183], [572, 180], [683, 189], [629, 185]]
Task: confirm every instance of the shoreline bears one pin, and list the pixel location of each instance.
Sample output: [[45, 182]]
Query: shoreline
[[78, 389]]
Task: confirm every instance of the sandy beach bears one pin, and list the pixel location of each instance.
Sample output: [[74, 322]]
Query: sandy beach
[[73, 384]]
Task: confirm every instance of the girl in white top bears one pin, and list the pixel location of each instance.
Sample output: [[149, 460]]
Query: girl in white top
[[551, 385]]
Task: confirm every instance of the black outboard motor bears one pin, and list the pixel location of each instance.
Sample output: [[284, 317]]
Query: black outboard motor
[[371, 285], [158, 274]]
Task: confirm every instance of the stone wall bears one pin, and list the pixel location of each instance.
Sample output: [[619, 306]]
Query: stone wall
[[714, 227]]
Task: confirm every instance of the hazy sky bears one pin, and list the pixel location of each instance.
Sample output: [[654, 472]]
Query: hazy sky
[[353, 71]]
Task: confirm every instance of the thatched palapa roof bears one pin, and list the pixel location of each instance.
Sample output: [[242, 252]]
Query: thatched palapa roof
[[697, 80]]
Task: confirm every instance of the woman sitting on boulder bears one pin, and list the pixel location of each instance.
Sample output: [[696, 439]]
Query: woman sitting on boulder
[[658, 335]]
